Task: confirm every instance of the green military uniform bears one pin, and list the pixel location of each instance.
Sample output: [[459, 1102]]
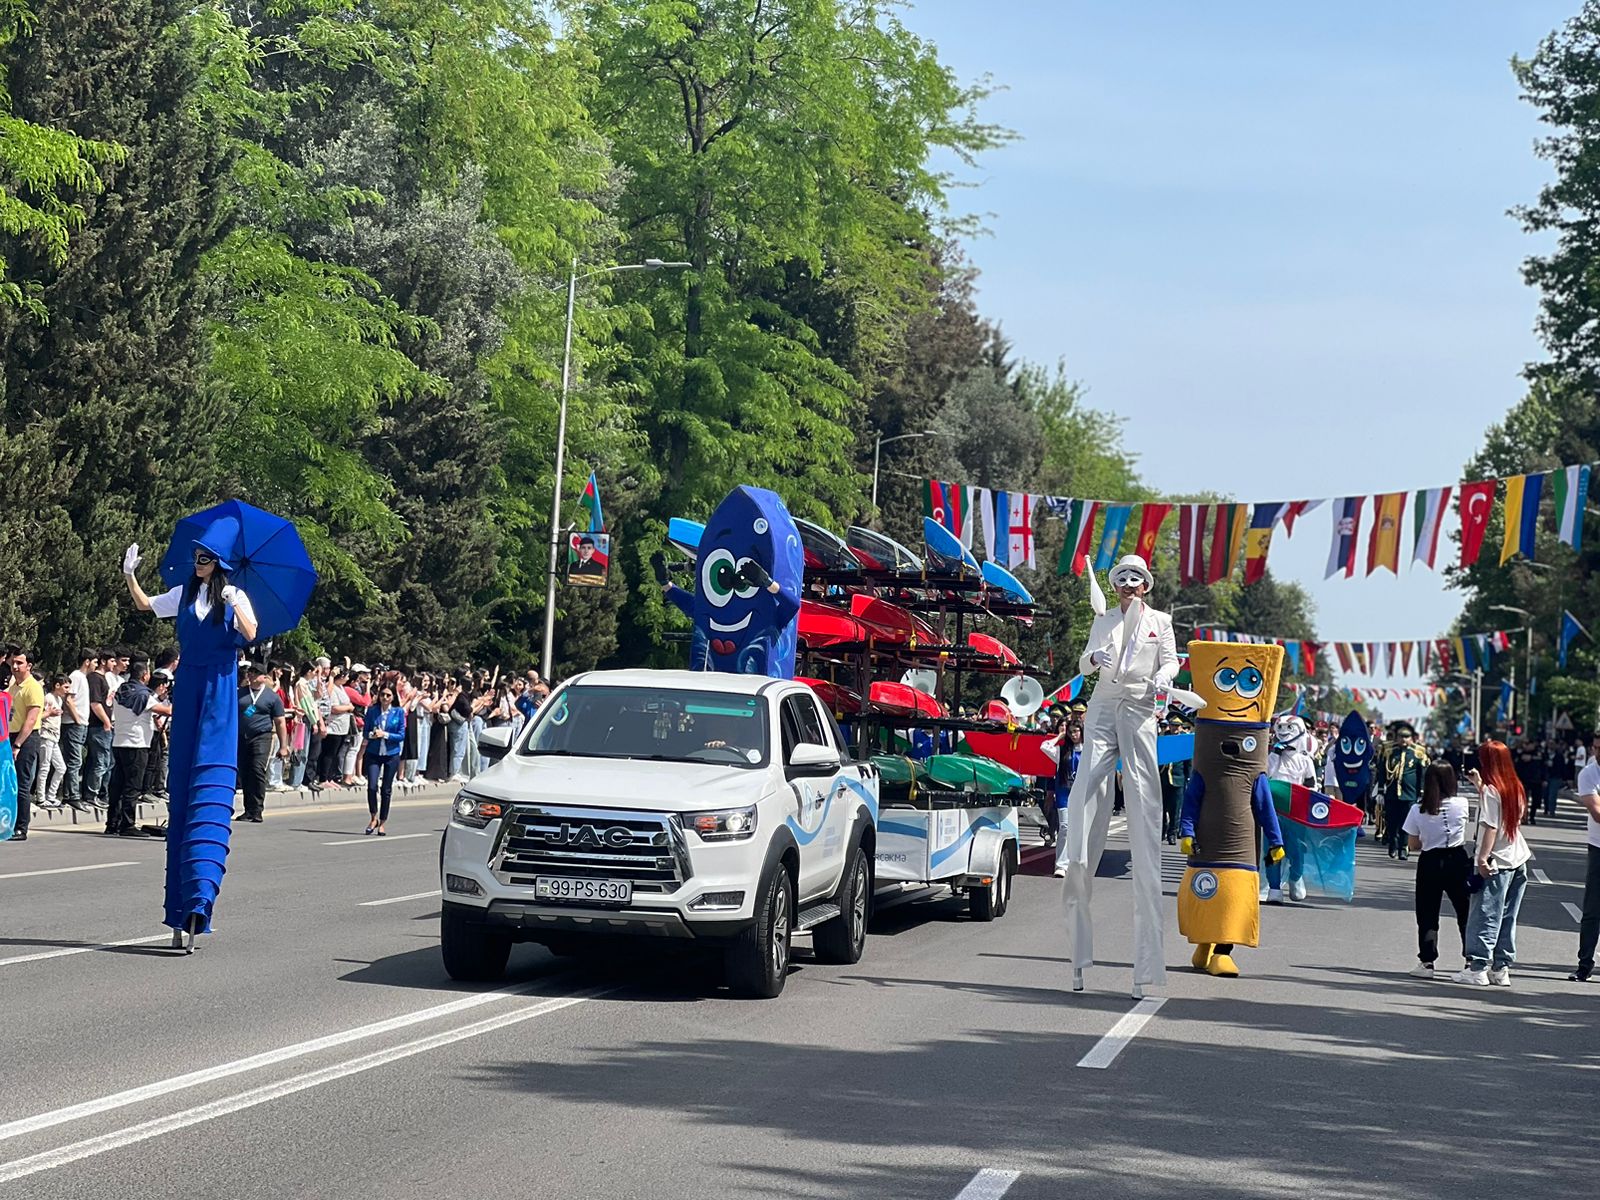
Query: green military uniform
[[1400, 768]]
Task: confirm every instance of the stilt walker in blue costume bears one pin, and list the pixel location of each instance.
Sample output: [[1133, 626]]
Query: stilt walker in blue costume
[[222, 551]]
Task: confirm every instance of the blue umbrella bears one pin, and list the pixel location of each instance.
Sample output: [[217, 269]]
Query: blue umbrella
[[268, 562]]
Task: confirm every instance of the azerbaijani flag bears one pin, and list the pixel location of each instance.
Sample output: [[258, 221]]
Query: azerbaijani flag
[[1427, 516], [1522, 516], [1571, 493], [1383, 545], [590, 500]]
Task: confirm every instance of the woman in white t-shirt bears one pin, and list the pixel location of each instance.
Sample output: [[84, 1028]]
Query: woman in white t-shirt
[[1437, 826], [1501, 861]]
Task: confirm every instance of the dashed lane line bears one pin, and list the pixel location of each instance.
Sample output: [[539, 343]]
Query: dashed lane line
[[1105, 1051], [1540, 875], [67, 870], [991, 1183], [1573, 910], [41, 955], [399, 899]]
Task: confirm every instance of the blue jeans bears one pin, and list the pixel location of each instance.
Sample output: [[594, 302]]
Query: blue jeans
[[458, 746], [97, 765], [1492, 924], [72, 739]]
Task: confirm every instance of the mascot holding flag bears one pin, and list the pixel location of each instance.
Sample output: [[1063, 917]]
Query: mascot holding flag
[[1132, 649]]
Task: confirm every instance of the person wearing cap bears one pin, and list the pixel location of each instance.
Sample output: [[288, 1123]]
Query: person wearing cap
[[1401, 765], [261, 714], [1133, 650], [133, 732], [215, 619]]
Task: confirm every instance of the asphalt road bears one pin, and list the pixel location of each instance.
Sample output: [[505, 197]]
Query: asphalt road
[[313, 1047]]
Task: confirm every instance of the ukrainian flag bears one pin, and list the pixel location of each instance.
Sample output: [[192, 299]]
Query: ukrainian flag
[[1522, 516]]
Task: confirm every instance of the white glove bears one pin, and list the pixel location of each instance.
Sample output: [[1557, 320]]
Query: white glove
[[130, 559], [230, 595], [1101, 659]]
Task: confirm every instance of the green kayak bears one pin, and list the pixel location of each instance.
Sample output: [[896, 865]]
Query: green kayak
[[971, 772]]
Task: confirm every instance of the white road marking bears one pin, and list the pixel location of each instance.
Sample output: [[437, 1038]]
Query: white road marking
[[176, 1083], [44, 954], [67, 870], [399, 899], [61, 1156], [1573, 910], [1540, 875], [989, 1184], [393, 837], [1105, 1051]]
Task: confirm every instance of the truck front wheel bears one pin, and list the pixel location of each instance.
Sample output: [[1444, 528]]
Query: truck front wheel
[[472, 953], [842, 939], [757, 962]]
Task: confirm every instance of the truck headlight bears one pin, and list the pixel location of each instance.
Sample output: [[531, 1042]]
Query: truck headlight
[[724, 825], [474, 811]]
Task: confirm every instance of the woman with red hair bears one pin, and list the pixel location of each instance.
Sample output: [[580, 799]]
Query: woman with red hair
[[1501, 861]]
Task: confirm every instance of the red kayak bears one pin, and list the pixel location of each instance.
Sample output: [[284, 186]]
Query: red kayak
[[1022, 752], [835, 695], [821, 625], [893, 623], [903, 700], [994, 647]]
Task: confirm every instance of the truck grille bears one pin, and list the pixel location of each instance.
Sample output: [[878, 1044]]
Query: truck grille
[[588, 843]]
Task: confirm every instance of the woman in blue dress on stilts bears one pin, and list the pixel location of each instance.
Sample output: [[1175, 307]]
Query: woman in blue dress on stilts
[[214, 621]]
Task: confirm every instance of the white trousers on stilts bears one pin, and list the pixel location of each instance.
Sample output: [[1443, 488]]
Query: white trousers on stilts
[[1125, 729]]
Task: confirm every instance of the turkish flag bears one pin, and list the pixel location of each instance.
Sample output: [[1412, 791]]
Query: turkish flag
[[1477, 499]]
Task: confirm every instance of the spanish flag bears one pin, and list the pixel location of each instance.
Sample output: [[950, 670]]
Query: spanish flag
[[1383, 544]]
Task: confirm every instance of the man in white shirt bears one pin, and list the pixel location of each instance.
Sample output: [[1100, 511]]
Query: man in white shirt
[[75, 718], [1133, 650], [1589, 927], [133, 713]]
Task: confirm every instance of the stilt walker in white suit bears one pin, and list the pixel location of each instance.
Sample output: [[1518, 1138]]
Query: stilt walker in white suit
[[1133, 650]]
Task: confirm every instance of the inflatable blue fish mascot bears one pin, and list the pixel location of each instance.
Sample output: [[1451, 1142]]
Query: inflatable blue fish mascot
[[1352, 760], [749, 571]]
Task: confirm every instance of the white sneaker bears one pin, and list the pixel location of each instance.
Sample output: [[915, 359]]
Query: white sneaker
[[1422, 971], [1473, 978], [1297, 889], [1274, 895], [1061, 872], [1500, 977], [1262, 894]]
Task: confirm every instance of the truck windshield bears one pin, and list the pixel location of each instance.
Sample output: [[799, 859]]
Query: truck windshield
[[598, 721]]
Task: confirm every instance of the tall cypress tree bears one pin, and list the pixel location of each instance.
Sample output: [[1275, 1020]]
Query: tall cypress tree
[[106, 422]]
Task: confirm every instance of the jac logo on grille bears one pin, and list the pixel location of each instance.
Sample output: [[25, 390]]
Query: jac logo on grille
[[616, 837]]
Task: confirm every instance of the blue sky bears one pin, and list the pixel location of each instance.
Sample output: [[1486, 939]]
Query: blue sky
[[1272, 237]]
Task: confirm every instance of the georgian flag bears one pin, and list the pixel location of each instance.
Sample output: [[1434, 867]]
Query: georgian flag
[[1021, 550]]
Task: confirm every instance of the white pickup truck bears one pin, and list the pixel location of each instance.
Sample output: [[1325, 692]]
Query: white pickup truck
[[666, 804]]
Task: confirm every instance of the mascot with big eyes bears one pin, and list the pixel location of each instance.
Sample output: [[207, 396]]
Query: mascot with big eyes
[[1227, 806], [749, 571], [1350, 759]]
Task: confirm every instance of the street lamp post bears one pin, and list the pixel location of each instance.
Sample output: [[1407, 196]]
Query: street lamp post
[[1527, 617], [877, 451], [573, 278]]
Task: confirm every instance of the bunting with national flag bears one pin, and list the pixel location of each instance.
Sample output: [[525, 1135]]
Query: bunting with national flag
[[1078, 516], [1258, 539], [1020, 551], [1427, 517], [1570, 492], [1150, 520], [994, 512], [1475, 501], [1346, 536], [945, 502], [1228, 522], [1112, 529], [1569, 630], [1405, 657], [1295, 510], [590, 502], [1383, 545], [1191, 543], [1522, 516]]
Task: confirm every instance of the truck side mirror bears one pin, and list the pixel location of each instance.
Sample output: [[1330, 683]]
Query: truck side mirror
[[812, 758]]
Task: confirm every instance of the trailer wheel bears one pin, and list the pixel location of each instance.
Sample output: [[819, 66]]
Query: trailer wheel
[[842, 939], [758, 960], [1008, 876], [988, 902]]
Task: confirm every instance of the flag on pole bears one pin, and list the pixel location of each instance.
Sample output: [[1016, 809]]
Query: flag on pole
[[1503, 711], [1258, 539], [1571, 493], [1475, 501], [590, 500], [1191, 543], [1383, 546], [1522, 516], [1427, 516], [1150, 521], [1020, 551], [1066, 693], [1114, 526], [1569, 630], [1346, 535]]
